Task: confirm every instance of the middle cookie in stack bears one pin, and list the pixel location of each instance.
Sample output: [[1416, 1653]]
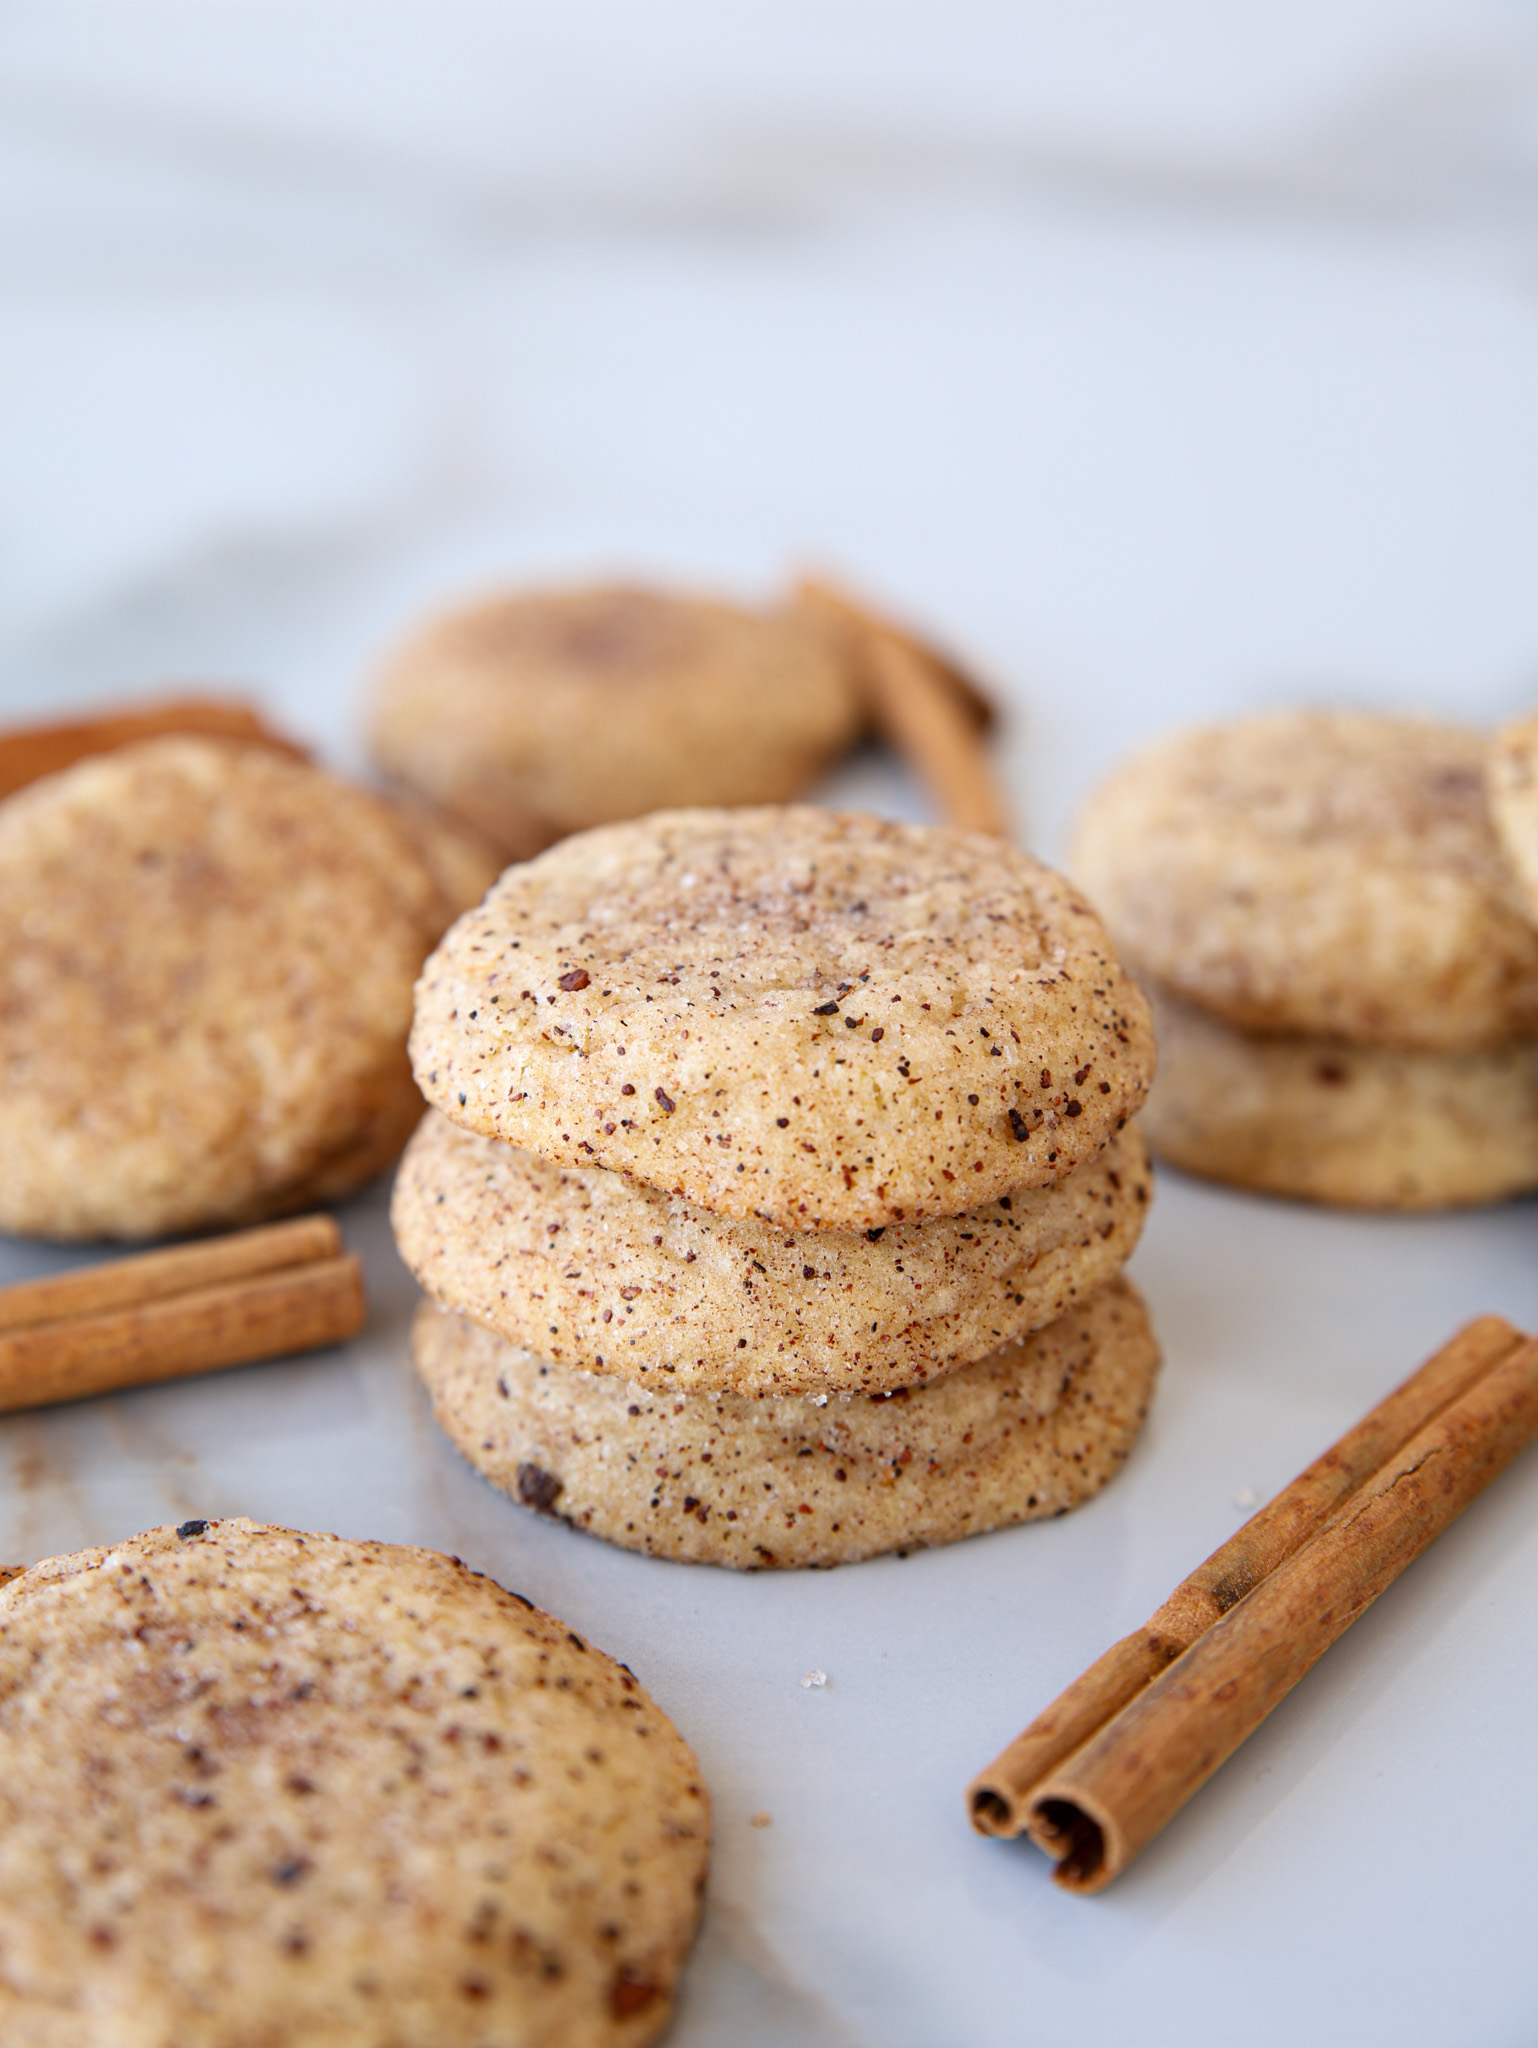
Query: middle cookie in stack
[[780, 1188]]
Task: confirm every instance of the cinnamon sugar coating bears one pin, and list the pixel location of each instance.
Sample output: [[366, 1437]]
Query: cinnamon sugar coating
[[817, 1017], [207, 953], [542, 714], [721, 1478], [589, 1268], [262, 1788], [1326, 873]]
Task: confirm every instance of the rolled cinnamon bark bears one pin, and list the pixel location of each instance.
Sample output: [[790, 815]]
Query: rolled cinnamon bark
[[925, 707], [268, 1315], [1112, 1797], [179, 1269], [1000, 1800], [29, 752]]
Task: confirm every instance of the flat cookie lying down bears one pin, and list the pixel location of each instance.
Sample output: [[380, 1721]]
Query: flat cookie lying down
[[718, 1478], [539, 714], [269, 1790]]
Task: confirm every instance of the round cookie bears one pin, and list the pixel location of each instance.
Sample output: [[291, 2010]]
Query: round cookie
[[1326, 873], [1511, 784], [1363, 1127], [716, 1478], [814, 1016], [259, 1787], [591, 1268], [206, 961], [539, 715]]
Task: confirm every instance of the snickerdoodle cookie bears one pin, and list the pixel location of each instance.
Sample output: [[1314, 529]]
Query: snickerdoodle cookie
[[539, 715], [1323, 873], [207, 953], [587, 1267], [818, 1017], [721, 1478], [1511, 781], [1366, 1127], [261, 1788]]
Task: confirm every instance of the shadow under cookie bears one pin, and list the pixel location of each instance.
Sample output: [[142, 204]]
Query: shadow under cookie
[[720, 1478]]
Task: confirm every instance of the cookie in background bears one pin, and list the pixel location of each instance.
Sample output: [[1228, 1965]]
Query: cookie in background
[[1511, 778], [538, 714], [1343, 973], [207, 951]]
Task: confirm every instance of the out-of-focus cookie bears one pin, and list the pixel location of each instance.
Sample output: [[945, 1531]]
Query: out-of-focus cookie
[[717, 1478], [1322, 873], [814, 1016], [1364, 1127], [539, 715], [462, 861], [260, 1787], [590, 1268], [207, 953], [1511, 781]]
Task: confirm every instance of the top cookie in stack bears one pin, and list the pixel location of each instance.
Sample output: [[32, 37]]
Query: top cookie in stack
[[771, 1107], [1345, 981]]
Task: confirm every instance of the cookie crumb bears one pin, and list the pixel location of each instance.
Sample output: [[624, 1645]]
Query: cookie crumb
[[761, 1820]]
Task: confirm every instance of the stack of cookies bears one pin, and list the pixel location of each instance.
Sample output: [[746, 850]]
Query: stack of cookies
[[777, 1187], [1343, 970]]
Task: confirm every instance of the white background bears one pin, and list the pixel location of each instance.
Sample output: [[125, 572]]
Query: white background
[[1170, 360]]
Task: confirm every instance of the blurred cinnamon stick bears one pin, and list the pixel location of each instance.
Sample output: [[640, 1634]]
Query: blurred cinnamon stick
[[1096, 1776], [925, 706], [29, 752], [264, 1293]]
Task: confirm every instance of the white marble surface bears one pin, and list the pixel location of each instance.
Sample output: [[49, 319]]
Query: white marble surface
[[1172, 359]]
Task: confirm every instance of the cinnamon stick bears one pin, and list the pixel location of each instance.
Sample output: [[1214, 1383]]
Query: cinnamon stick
[[29, 752], [1097, 1776], [179, 1269], [923, 706], [263, 1293]]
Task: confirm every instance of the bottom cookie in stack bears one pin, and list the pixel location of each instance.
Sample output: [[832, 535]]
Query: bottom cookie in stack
[[1360, 1126], [717, 1477]]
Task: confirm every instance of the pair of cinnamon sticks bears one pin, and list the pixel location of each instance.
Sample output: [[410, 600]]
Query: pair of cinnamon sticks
[[1094, 1778], [263, 1293]]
